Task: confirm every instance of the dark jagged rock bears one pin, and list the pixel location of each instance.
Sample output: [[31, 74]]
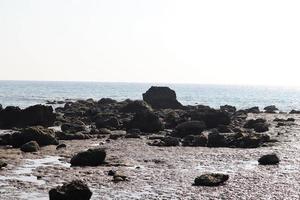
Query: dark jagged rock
[[189, 128], [112, 122], [170, 141], [259, 125], [228, 108], [253, 110], [41, 135], [271, 109], [2, 164], [31, 146], [212, 118], [246, 140], [105, 101], [135, 107], [216, 139], [75, 190], [295, 112], [146, 121], [73, 136], [213, 179], [161, 98], [195, 140], [270, 159], [73, 127], [61, 146], [91, 157], [34, 115]]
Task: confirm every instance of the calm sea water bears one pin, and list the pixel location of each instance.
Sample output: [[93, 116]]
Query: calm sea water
[[26, 93]]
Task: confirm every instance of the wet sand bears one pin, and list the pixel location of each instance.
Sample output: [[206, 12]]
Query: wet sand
[[160, 172]]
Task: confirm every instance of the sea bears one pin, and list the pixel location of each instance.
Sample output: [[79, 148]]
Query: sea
[[27, 93]]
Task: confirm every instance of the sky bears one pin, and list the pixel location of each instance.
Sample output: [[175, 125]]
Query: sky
[[253, 42]]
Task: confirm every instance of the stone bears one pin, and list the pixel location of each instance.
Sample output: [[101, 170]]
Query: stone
[[195, 140], [269, 159], [189, 128], [61, 146], [146, 121], [91, 157], [73, 127], [253, 110], [135, 107], [212, 179], [271, 109], [41, 135], [2, 164], [31, 146], [75, 190], [212, 118], [161, 98]]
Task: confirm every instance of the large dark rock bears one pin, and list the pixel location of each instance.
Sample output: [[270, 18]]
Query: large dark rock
[[212, 118], [91, 157], [73, 127], [105, 101], [111, 122], [41, 135], [270, 159], [189, 128], [31, 146], [228, 108], [213, 179], [270, 109], [216, 139], [161, 98], [195, 140], [253, 110], [34, 115], [75, 190], [146, 121], [135, 106], [259, 125], [72, 136], [295, 112]]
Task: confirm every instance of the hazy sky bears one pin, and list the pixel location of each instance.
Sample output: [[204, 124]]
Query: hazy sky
[[181, 41]]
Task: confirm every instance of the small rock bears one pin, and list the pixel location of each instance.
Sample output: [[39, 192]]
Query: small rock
[[75, 190], [118, 176], [91, 157], [111, 173], [2, 164], [60, 146], [213, 179], [31, 146], [269, 159]]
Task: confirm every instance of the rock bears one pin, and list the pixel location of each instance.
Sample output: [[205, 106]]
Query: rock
[[290, 120], [224, 129], [161, 98], [213, 179], [74, 127], [1, 108], [111, 173], [270, 159], [75, 190], [2, 164], [146, 121], [34, 115], [105, 101], [261, 127], [295, 112], [228, 108], [271, 109], [5, 139], [170, 141], [117, 134], [112, 122], [118, 176], [247, 140], [216, 139], [195, 140], [41, 135], [189, 128], [135, 107], [212, 118], [60, 146], [133, 133], [31, 146], [91, 157], [253, 110], [251, 123], [72, 136]]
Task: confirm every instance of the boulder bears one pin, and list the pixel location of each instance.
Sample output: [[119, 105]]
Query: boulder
[[195, 140], [189, 128], [91, 157], [228, 108], [2, 164], [212, 118], [161, 98], [295, 112], [269, 159], [212, 179], [261, 127], [72, 136], [61, 146], [112, 122], [253, 110], [271, 109], [146, 121], [34, 115], [117, 134], [73, 127], [75, 190], [216, 139], [105, 101], [135, 107], [248, 140], [31, 146], [41, 135]]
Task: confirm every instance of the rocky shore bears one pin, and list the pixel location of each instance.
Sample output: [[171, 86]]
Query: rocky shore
[[155, 148]]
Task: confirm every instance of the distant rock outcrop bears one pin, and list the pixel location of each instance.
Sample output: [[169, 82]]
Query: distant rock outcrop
[[161, 98]]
